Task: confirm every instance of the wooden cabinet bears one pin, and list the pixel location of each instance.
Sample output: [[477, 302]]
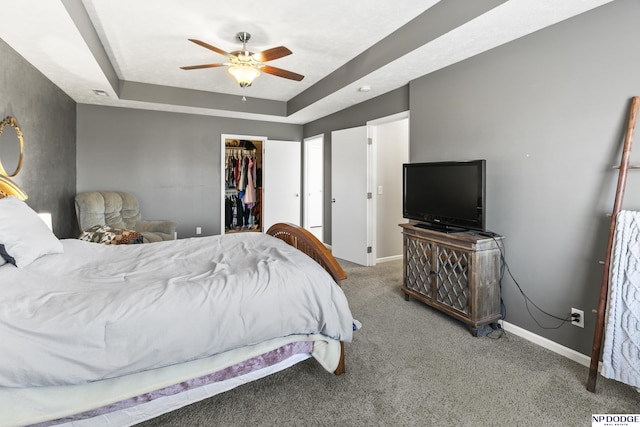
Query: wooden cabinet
[[456, 273]]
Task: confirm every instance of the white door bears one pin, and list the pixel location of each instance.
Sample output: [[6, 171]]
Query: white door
[[350, 210], [281, 176], [313, 184]]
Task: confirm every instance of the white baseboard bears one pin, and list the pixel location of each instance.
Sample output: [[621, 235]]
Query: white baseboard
[[388, 258], [547, 343], [529, 336], [378, 260]]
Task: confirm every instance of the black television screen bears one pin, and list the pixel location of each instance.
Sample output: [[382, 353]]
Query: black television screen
[[445, 195]]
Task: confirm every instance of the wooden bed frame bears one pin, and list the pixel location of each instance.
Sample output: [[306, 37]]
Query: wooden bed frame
[[303, 240]]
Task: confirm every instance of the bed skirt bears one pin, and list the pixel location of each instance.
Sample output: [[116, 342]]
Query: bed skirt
[[134, 398]]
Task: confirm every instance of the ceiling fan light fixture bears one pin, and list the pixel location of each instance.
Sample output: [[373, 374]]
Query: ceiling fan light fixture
[[244, 75], [245, 65]]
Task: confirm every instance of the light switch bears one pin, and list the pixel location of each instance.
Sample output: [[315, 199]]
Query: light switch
[[379, 189]]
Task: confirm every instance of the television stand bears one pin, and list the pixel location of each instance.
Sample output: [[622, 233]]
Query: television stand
[[457, 274], [440, 227]]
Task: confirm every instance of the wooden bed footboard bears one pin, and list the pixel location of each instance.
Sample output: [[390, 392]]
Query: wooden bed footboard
[[303, 240]]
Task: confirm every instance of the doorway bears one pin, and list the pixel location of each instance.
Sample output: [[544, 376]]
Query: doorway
[[390, 137], [241, 183], [366, 193], [313, 216], [276, 176]]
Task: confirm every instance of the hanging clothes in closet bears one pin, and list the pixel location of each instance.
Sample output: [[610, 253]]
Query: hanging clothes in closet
[[242, 211]]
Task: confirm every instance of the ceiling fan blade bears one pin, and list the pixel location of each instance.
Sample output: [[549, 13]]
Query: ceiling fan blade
[[281, 73], [210, 47], [271, 54], [196, 67]]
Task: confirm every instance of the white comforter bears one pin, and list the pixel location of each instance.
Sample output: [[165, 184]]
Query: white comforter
[[99, 311]]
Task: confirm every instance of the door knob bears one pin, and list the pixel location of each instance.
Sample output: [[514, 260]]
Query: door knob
[[333, 200]]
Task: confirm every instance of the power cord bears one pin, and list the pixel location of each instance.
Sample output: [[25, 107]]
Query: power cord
[[505, 267]]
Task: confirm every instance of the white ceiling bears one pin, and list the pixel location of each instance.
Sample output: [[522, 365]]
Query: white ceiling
[[146, 42]]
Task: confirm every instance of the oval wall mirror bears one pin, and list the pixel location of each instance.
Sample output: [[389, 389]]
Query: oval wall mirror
[[11, 147]]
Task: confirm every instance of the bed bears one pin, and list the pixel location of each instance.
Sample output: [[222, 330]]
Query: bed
[[97, 334]]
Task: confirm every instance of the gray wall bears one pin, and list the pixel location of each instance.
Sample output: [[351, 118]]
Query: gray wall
[[170, 161], [548, 113], [393, 102], [47, 117]]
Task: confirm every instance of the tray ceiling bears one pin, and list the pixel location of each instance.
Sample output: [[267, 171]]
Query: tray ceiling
[[132, 50]]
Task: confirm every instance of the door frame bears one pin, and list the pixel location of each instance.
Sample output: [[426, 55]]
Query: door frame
[[223, 138], [372, 133], [305, 181], [371, 180]]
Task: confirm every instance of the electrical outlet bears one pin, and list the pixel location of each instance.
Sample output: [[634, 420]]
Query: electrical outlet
[[198, 230], [577, 317]]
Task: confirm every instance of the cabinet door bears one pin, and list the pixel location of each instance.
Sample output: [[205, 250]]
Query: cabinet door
[[452, 276], [419, 265]]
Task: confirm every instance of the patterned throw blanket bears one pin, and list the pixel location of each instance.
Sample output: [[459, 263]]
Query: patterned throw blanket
[[621, 360]]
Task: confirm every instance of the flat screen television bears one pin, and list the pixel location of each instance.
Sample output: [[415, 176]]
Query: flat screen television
[[448, 196]]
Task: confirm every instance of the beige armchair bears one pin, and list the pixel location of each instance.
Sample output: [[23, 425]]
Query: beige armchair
[[119, 210]]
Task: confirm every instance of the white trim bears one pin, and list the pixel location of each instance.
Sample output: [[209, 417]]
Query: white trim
[[389, 258], [305, 179], [372, 176], [372, 214], [547, 343]]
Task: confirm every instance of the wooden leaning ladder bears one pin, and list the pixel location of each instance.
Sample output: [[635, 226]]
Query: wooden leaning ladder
[[617, 206]]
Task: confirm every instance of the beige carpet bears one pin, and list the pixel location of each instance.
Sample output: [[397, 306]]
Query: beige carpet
[[412, 366]]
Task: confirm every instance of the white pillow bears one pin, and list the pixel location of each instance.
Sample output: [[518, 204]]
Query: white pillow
[[24, 236]]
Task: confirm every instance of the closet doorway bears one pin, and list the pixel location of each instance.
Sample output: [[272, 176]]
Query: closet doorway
[[313, 186], [242, 158], [276, 175]]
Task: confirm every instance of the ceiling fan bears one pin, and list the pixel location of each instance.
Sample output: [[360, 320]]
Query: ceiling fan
[[244, 65]]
